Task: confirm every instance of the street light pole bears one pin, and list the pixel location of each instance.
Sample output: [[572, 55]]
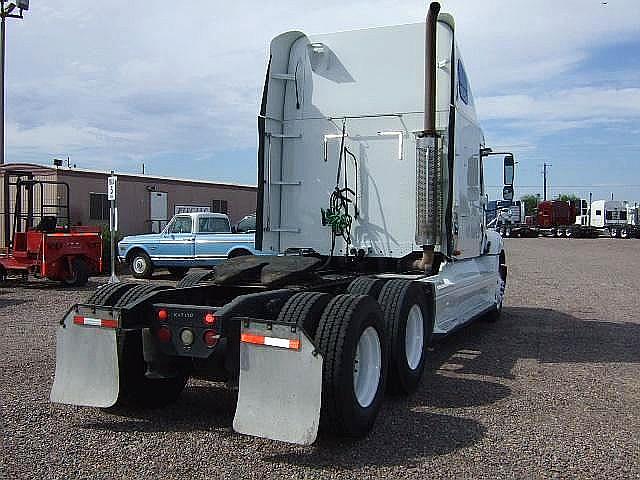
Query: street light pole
[[5, 12], [2, 39]]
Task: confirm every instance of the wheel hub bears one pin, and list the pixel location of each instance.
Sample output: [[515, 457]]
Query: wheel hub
[[367, 366], [414, 337], [139, 265]]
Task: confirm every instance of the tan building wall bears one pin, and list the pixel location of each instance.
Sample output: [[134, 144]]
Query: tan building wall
[[134, 192]]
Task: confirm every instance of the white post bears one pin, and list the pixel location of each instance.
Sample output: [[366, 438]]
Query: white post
[[112, 188]]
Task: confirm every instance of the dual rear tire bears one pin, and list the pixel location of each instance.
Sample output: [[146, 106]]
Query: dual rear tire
[[364, 343]]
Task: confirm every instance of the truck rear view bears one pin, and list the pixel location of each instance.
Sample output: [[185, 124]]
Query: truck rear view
[[371, 207]]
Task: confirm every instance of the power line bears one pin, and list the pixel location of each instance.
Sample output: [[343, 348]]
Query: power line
[[593, 185]]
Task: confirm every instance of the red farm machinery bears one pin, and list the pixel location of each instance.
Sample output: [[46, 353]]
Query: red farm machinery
[[41, 240]]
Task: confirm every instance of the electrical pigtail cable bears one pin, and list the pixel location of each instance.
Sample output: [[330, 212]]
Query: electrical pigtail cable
[[337, 216]]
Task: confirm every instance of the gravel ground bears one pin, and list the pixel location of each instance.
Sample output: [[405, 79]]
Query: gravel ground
[[551, 390]]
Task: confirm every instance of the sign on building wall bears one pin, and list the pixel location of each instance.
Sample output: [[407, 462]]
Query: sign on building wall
[[191, 209]]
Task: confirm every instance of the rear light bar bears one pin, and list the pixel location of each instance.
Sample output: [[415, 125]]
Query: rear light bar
[[95, 322], [288, 343]]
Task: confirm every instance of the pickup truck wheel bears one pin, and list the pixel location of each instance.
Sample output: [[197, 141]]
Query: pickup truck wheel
[[239, 253], [409, 328], [141, 265], [351, 338], [366, 286], [79, 274], [196, 277], [178, 272]]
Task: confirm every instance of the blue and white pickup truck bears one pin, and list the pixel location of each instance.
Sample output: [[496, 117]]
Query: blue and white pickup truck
[[189, 240]]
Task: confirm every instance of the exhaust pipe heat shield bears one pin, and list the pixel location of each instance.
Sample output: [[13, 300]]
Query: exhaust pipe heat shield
[[86, 362]]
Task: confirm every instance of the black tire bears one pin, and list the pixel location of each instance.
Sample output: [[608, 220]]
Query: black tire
[[137, 292], [624, 233], [305, 309], [136, 390], [79, 275], [196, 277], [342, 323], [109, 293], [397, 299], [178, 272], [366, 286], [239, 253], [496, 312], [140, 264]]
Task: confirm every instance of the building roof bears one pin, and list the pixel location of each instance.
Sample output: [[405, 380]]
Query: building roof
[[47, 169]]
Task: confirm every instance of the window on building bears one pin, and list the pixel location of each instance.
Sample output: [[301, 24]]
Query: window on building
[[220, 206], [598, 212], [98, 206], [180, 225], [214, 225]]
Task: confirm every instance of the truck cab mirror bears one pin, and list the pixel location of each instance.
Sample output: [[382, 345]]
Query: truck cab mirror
[[507, 193], [509, 167]]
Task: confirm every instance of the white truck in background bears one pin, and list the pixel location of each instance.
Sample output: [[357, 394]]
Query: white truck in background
[[611, 217], [371, 208]]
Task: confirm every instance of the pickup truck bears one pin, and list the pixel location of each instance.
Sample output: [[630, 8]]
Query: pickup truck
[[189, 240]]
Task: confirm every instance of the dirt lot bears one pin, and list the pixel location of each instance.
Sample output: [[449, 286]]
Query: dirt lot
[[552, 390]]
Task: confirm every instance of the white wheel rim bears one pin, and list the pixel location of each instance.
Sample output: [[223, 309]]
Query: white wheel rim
[[139, 264], [414, 337], [367, 367]]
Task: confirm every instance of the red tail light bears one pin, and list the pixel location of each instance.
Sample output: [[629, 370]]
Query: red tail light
[[164, 334], [210, 337], [163, 315], [210, 319]]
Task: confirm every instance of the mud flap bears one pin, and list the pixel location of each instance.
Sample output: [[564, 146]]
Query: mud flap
[[86, 363], [280, 386]]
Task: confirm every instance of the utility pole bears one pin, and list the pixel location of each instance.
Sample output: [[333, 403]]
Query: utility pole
[[590, 201], [6, 7], [544, 174]]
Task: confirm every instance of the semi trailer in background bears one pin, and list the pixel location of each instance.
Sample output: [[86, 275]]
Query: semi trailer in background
[[370, 177]]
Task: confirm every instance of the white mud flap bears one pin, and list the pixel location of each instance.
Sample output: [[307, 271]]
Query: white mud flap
[[280, 385], [86, 359]]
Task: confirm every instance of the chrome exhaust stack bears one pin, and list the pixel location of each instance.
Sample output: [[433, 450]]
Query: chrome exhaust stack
[[428, 158]]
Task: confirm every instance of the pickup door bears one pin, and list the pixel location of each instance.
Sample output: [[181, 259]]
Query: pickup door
[[177, 241], [214, 238]]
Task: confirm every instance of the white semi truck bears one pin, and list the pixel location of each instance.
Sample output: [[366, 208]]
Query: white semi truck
[[611, 217], [371, 207]]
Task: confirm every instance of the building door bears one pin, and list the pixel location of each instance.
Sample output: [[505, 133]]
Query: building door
[[158, 211]]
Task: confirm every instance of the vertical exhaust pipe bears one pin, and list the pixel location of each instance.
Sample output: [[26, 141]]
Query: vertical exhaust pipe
[[430, 71], [428, 162]]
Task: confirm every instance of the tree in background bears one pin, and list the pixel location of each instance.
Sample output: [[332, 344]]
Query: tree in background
[[568, 197], [530, 204]]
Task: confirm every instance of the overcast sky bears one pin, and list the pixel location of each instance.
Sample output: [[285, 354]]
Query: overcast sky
[[114, 84]]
